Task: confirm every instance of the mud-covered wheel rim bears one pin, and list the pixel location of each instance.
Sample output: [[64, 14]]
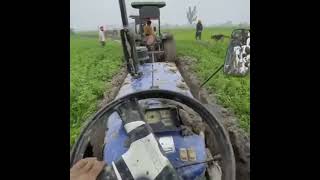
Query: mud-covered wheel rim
[[213, 123], [169, 50]]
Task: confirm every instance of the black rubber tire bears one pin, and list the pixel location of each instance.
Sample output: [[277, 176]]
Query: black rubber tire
[[169, 47], [228, 60], [219, 132]]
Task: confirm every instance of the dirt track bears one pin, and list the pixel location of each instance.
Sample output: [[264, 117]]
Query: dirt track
[[116, 83], [240, 139]]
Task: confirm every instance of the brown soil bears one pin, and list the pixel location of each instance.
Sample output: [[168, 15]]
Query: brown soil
[[99, 133], [116, 83], [240, 139]]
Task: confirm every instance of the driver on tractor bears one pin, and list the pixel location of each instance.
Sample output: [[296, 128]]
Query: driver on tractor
[[150, 36]]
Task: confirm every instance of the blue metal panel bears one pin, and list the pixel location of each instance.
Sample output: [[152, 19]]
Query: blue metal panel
[[197, 144], [116, 139], [164, 75]]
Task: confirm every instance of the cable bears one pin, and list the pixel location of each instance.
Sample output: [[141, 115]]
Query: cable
[[212, 76], [196, 163]]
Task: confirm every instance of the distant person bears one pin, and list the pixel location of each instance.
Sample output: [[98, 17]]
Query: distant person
[[149, 33], [102, 37], [199, 30]]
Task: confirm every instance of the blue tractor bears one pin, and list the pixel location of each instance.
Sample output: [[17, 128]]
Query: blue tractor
[[155, 128]]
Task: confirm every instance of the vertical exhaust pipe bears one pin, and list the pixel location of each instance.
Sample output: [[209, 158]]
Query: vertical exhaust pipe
[[128, 42], [123, 11]]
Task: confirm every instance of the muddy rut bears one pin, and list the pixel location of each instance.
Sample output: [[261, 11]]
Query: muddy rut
[[240, 139]]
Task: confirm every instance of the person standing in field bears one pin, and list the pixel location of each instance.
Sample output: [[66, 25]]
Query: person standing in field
[[199, 30], [102, 37]]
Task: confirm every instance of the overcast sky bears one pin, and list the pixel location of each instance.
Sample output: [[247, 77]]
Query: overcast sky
[[89, 14]]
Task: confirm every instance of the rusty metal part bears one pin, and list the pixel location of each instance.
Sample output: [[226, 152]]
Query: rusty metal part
[[183, 154], [191, 154]]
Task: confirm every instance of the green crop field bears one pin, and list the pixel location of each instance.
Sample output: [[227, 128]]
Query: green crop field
[[91, 68], [231, 92]]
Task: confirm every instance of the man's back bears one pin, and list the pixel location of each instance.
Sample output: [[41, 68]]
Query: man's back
[[148, 30], [199, 27]]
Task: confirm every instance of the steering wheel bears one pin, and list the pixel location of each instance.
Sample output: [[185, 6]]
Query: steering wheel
[[144, 148]]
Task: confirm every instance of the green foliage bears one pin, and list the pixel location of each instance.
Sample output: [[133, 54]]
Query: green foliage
[[93, 66], [231, 92], [91, 69]]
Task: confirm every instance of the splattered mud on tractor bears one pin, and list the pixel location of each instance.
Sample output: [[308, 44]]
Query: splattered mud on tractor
[[155, 128]]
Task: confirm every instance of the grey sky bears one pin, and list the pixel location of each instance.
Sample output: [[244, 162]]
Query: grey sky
[[89, 14]]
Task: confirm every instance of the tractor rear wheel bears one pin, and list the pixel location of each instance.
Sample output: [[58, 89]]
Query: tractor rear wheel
[[169, 47]]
